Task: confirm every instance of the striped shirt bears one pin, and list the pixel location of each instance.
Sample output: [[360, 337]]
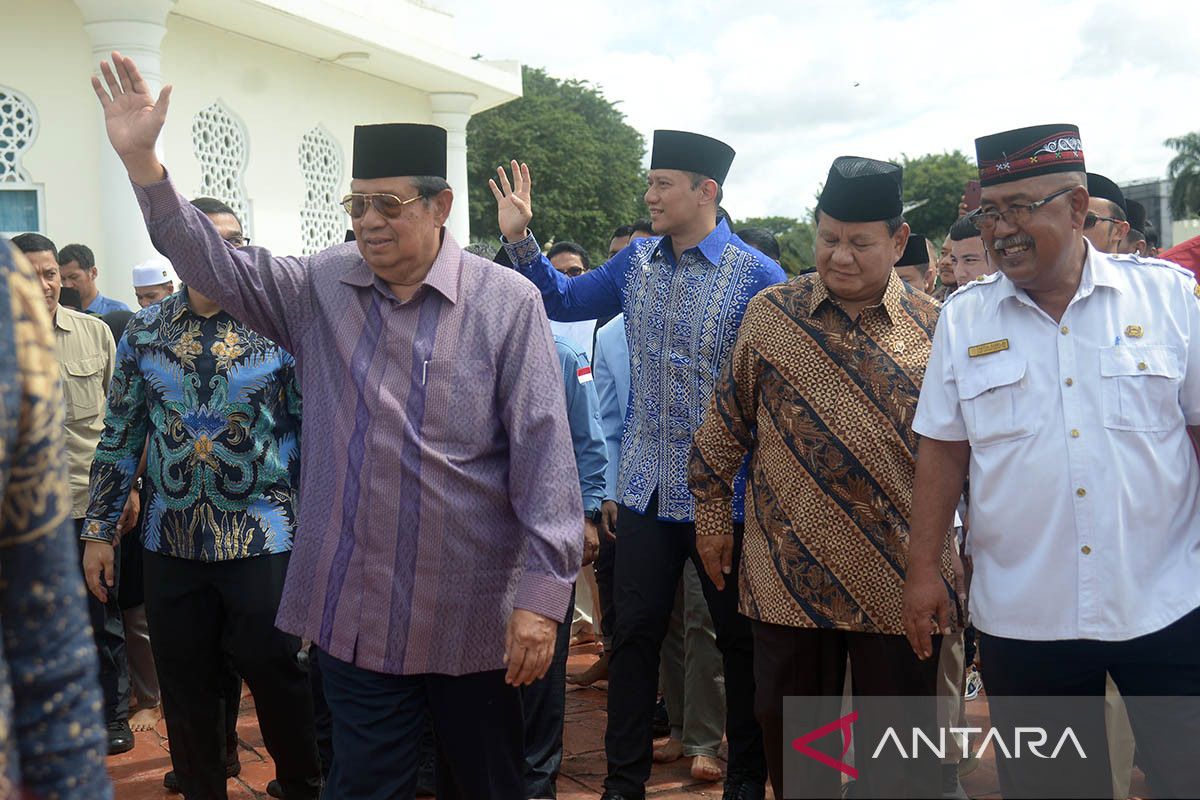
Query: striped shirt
[[824, 406], [438, 488]]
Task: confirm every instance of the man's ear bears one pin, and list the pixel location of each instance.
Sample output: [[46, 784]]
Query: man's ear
[[708, 191], [1121, 230], [900, 240], [443, 201], [1079, 206]]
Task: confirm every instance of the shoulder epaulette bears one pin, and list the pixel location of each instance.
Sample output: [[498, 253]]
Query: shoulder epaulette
[[982, 280]]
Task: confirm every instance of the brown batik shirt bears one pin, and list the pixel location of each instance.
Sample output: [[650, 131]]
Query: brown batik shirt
[[824, 406]]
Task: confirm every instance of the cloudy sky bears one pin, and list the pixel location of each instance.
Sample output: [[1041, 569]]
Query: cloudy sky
[[791, 85]]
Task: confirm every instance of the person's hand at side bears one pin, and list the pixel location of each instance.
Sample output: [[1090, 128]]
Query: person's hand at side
[[528, 646]]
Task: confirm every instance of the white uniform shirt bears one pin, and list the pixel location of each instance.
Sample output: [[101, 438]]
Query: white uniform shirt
[[1085, 489]]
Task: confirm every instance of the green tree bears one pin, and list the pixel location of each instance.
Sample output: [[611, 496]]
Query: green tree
[[585, 161], [1184, 173], [935, 180], [795, 240]]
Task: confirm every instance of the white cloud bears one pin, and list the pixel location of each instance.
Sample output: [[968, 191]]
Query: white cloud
[[776, 78]]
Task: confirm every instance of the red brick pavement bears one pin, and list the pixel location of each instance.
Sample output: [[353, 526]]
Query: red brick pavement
[[138, 773]]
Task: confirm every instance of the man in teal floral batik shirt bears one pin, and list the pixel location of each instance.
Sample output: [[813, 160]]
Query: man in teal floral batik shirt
[[218, 408]]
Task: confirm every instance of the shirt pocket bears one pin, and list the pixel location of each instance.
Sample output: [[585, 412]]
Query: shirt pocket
[[83, 387], [460, 413], [1140, 387], [992, 393]]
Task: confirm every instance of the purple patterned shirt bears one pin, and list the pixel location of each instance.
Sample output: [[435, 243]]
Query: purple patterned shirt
[[438, 485]]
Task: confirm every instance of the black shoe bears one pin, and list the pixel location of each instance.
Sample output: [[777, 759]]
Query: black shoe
[[662, 723], [740, 789], [233, 768], [274, 789], [120, 737]]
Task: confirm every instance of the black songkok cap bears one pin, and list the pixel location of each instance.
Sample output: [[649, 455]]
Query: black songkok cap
[[915, 252], [1102, 187], [691, 152], [1136, 212], [862, 190], [399, 149], [1027, 152]]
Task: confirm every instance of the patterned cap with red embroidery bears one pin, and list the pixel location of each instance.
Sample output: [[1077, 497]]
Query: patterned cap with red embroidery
[[1028, 152]]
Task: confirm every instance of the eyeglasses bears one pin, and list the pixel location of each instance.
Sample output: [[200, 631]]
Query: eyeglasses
[[1017, 214], [237, 240], [388, 205], [574, 272], [1091, 219]]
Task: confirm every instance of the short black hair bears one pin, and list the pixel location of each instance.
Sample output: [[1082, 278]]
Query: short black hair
[[761, 240], [893, 224], [964, 228], [622, 231], [34, 243], [80, 253], [570, 247], [429, 186], [1151, 232], [211, 205], [643, 226]]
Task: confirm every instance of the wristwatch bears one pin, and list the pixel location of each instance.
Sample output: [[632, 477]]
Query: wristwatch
[[594, 516]]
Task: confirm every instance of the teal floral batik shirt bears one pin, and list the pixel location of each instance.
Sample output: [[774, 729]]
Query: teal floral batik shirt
[[218, 406]]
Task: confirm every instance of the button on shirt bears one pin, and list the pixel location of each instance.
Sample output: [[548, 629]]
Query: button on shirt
[[85, 350], [431, 425], [222, 409], [1085, 490], [681, 320], [583, 416], [824, 405]]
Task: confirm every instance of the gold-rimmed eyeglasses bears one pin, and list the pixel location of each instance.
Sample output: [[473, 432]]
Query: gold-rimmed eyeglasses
[[388, 205]]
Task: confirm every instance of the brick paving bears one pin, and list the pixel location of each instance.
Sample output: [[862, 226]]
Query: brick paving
[[138, 774]]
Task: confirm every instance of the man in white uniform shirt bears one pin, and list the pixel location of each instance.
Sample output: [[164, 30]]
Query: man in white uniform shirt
[[1069, 383]]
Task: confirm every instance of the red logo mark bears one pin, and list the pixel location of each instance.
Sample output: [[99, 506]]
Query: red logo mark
[[844, 724]]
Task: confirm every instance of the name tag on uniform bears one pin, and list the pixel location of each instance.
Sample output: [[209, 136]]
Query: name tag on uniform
[[1133, 331], [988, 348]]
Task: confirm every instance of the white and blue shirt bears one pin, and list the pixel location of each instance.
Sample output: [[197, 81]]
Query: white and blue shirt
[[681, 321]]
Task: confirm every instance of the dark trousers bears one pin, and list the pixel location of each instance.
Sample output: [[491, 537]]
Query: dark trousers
[[603, 568], [200, 614], [811, 663], [544, 706], [649, 563], [1158, 676], [322, 717], [377, 722], [108, 631]]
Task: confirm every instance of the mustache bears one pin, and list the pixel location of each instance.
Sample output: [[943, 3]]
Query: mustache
[[1016, 240]]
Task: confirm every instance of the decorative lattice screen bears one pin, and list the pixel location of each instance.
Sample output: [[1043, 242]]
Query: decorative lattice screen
[[322, 222]]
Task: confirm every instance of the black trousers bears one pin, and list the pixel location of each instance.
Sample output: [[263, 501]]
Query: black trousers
[[201, 613], [377, 723], [649, 563], [544, 707], [1158, 675], [603, 568], [108, 631], [807, 663]]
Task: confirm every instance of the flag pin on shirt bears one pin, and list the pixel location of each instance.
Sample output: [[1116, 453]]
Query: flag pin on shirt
[[584, 374]]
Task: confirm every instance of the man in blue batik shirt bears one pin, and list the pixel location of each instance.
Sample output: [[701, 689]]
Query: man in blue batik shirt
[[683, 294], [217, 407], [543, 702]]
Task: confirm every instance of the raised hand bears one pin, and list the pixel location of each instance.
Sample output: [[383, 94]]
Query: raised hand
[[132, 117], [514, 209]]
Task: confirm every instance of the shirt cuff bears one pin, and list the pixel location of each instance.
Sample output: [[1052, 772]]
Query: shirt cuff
[[159, 199], [523, 253], [714, 517], [543, 595], [96, 531]]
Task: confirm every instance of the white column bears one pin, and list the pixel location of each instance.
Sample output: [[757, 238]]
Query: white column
[[134, 28], [452, 110]]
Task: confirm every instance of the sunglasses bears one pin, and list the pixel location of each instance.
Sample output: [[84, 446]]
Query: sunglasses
[[1091, 219], [388, 205]]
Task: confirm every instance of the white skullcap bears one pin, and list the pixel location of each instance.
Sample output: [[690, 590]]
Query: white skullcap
[[152, 272]]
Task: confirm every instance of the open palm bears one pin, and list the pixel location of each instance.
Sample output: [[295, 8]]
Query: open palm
[[132, 117], [514, 209]]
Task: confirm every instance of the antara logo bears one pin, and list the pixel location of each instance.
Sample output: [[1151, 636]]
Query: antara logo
[[800, 743], [1036, 738]]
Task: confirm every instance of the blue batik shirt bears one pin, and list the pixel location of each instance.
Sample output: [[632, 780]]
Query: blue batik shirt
[[681, 320], [221, 406]]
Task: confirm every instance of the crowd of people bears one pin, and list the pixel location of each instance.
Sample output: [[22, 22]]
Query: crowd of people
[[365, 482]]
